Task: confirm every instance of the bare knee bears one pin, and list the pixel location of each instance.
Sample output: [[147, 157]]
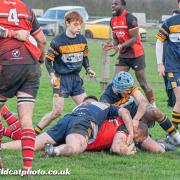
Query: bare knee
[[155, 114], [55, 113]]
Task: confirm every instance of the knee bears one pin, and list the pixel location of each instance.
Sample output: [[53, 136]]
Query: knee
[[156, 114], [56, 113]]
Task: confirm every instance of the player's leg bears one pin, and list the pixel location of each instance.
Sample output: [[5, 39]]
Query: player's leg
[[2, 101], [138, 65], [14, 130], [154, 114], [58, 106], [60, 91], [75, 144], [121, 65], [40, 142], [26, 101], [176, 109], [79, 98], [78, 94]]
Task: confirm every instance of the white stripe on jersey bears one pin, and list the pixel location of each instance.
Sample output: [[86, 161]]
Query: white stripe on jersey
[[72, 57], [174, 37]]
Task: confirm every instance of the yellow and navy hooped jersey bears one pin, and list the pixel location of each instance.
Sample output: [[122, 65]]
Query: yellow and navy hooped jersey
[[67, 53], [170, 32], [96, 111], [110, 97]]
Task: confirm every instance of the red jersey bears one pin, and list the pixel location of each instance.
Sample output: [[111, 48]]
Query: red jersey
[[15, 15], [105, 136], [121, 26]]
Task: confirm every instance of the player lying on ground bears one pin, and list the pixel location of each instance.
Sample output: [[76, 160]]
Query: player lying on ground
[[81, 125], [122, 92], [112, 134]]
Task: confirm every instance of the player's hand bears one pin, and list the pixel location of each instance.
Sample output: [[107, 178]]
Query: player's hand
[[135, 123], [54, 79], [161, 70], [131, 150], [130, 139], [91, 73], [21, 35], [107, 46]]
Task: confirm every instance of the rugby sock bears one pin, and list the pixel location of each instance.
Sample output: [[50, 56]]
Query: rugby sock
[[13, 123], [11, 120], [38, 130], [7, 132], [176, 118], [15, 135], [168, 126], [150, 96], [1, 132], [28, 142]]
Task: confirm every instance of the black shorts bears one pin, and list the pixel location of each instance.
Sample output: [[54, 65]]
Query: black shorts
[[68, 85], [68, 125], [135, 63], [21, 77]]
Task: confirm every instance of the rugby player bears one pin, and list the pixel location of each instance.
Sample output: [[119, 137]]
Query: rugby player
[[170, 32], [126, 41], [67, 53], [19, 68], [73, 132], [124, 93]]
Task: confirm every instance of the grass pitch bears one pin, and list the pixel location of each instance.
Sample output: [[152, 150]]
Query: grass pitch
[[102, 165]]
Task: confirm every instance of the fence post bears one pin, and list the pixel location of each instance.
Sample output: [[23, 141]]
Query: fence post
[[105, 70]]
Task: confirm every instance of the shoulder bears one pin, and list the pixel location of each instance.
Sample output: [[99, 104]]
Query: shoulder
[[81, 37], [57, 39]]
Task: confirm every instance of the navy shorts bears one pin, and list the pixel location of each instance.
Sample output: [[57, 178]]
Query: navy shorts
[[68, 85], [19, 77], [173, 80], [135, 63], [70, 124]]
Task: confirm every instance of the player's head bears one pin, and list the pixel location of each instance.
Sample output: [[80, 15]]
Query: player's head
[[123, 82], [178, 1], [176, 11], [118, 6], [90, 99], [73, 21]]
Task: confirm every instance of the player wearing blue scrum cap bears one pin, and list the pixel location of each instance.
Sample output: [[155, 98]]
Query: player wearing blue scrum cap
[[124, 93]]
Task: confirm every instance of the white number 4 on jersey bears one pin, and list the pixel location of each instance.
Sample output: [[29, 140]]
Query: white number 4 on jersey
[[13, 16]]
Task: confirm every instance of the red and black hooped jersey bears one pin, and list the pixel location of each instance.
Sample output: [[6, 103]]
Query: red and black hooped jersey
[[121, 26], [15, 15]]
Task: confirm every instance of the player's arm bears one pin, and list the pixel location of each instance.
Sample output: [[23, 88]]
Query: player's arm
[[126, 117], [161, 38], [109, 45], [142, 106], [51, 55], [86, 64], [39, 36], [21, 35]]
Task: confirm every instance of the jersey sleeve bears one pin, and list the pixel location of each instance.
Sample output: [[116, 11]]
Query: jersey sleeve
[[86, 51], [35, 24], [163, 33], [132, 22], [113, 111], [133, 90], [53, 51]]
